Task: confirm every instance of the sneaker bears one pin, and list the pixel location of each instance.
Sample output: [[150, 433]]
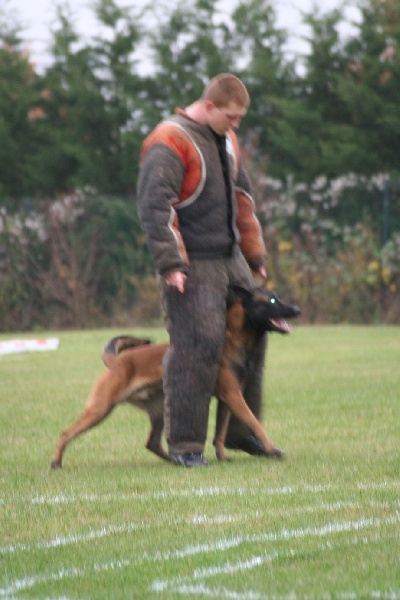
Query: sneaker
[[253, 446], [189, 459]]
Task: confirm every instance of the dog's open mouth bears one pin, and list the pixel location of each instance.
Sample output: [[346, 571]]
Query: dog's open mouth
[[280, 325]]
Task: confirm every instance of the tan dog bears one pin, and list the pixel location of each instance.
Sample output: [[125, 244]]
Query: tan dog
[[134, 374]]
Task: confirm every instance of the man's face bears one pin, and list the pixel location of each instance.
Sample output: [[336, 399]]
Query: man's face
[[225, 118]]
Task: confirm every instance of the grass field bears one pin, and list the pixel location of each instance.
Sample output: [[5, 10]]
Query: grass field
[[118, 523]]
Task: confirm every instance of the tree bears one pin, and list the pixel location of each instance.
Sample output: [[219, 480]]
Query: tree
[[352, 86], [122, 88], [66, 112], [277, 119], [89, 105], [186, 55], [371, 88], [17, 96]]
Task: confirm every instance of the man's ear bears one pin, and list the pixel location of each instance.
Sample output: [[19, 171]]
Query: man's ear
[[209, 106]]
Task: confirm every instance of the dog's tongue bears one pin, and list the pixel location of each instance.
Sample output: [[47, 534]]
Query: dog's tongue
[[282, 325]]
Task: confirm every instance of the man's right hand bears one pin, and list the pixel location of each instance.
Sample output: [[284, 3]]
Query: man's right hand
[[177, 280]]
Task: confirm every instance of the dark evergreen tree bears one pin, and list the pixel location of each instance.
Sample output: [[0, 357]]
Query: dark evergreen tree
[[17, 111]]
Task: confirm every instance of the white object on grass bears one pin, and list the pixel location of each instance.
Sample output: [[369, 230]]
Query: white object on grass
[[11, 346]]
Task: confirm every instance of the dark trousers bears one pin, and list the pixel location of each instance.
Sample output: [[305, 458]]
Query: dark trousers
[[196, 322]]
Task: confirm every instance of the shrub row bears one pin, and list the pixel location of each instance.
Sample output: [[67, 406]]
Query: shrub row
[[80, 260]]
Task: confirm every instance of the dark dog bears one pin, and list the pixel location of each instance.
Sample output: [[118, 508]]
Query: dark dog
[[134, 374]]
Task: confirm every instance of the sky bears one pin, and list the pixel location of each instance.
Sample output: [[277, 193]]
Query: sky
[[36, 18]]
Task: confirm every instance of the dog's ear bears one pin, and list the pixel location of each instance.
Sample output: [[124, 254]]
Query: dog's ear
[[237, 292]]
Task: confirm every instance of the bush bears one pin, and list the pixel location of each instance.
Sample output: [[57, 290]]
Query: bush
[[81, 260], [76, 261]]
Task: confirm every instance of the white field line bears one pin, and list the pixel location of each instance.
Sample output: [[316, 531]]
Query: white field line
[[122, 528], [200, 589], [194, 584], [128, 527], [76, 538], [215, 491], [20, 585], [191, 585], [218, 546], [283, 535]]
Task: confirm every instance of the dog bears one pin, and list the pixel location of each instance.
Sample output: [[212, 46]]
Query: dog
[[134, 374]]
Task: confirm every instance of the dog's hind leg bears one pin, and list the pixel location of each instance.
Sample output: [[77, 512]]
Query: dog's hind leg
[[99, 406], [87, 420], [228, 391]]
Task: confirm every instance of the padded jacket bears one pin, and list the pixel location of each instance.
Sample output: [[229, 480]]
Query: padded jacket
[[186, 207]]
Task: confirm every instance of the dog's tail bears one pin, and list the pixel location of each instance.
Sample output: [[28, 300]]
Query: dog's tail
[[119, 344]]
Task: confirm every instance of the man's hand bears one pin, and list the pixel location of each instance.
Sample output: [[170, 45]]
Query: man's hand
[[177, 280], [260, 273]]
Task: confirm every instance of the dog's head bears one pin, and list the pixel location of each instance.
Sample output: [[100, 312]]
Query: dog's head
[[265, 310]]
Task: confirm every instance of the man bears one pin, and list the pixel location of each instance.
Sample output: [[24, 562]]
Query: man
[[198, 216]]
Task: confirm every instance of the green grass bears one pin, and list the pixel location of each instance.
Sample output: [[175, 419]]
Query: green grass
[[116, 522]]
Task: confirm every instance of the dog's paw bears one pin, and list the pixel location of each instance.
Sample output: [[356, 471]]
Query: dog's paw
[[220, 452], [55, 464], [277, 453]]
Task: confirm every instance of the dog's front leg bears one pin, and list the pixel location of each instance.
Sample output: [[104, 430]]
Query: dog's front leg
[[228, 390], [221, 428], [155, 410]]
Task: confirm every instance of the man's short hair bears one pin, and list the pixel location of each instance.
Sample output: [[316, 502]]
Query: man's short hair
[[226, 88]]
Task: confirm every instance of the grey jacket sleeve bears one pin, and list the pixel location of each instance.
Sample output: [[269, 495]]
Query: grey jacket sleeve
[[160, 180]]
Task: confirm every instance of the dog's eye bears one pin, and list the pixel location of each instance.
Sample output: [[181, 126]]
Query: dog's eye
[[272, 300]]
